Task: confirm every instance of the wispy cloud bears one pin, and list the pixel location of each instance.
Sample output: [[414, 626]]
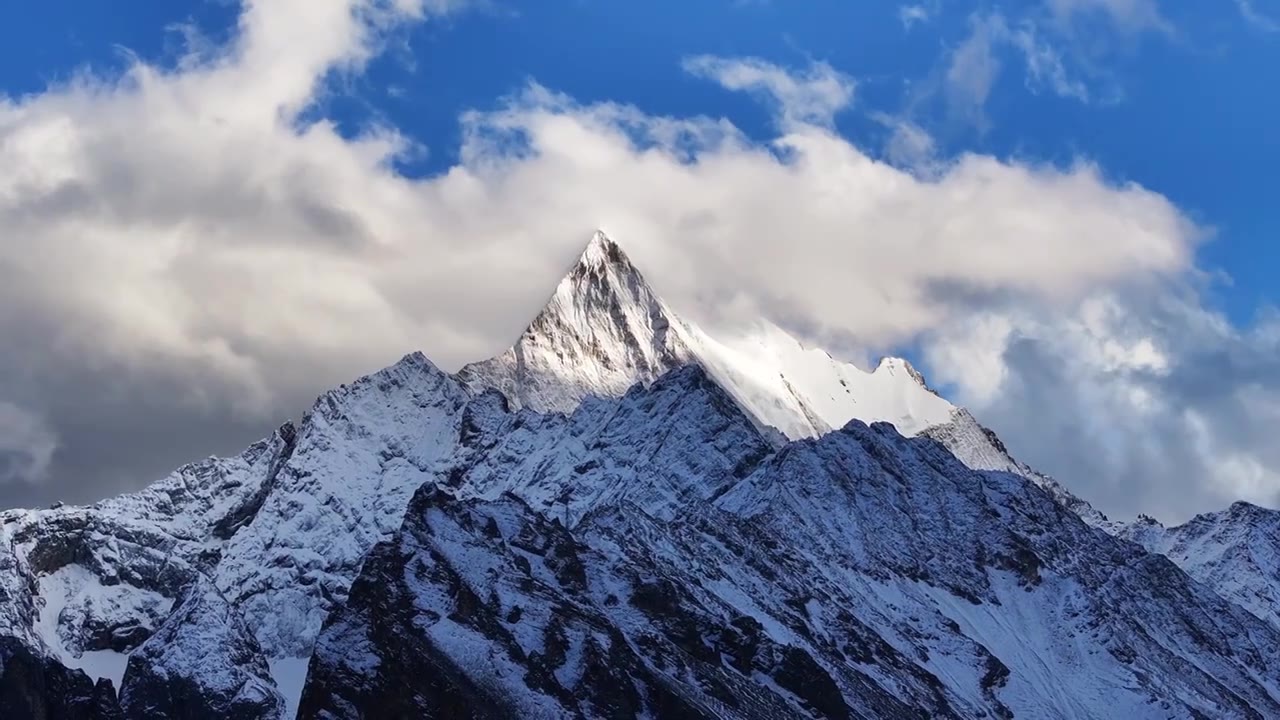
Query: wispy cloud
[[812, 96], [1257, 19], [1127, 16], [909, 146], [1045, 65], [974, 66], [911, 15]]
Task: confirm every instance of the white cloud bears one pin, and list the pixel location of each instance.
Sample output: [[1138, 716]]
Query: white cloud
[[911, 15], [1138, 398], [811, 97], [1130, 16], [909, 146], [1045, 66], [974, 66], [180, 245]]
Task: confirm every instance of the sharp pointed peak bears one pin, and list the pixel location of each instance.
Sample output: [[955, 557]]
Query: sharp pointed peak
[[896, 364], [600, 238], [602, 250]]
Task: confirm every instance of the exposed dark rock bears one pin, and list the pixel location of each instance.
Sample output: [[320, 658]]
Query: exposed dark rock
[[35, 687]]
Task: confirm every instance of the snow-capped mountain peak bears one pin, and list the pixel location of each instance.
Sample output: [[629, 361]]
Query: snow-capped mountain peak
[[895, 365], [601, 251], [602, 331]]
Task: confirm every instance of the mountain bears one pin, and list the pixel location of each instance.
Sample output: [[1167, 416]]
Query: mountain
[[1235, 551], [604, 330], [729, 495], [862, 574], [280, 531]]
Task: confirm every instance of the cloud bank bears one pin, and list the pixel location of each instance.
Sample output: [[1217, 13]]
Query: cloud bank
[[190, 256]]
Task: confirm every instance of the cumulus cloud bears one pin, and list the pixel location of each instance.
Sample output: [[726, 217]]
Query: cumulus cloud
[[189, 259], [778, 229], [1143, 401]]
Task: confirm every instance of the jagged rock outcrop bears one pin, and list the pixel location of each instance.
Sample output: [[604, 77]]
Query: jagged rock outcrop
[[34, 686], [203, 663]]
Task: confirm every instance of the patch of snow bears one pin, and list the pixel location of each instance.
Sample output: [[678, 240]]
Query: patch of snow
[[72, 590], [290, 675]]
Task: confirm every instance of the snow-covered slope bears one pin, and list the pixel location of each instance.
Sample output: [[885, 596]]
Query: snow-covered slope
[[280, 529], [658, 449], [1235, 551], [862, 574]]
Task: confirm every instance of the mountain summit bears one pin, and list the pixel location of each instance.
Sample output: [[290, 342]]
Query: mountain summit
[[604, 330]]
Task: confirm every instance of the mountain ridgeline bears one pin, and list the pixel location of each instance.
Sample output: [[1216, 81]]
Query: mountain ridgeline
[[623, 516]]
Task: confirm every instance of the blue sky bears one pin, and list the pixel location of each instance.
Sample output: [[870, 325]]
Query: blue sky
[[1063, 210], [1191, 115]]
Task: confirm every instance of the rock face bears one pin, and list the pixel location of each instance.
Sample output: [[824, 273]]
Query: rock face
[[202, 664], [38, 687], [863, 574], [416, 640], [680, 441]]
